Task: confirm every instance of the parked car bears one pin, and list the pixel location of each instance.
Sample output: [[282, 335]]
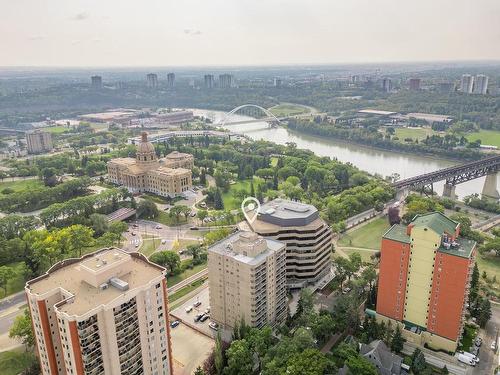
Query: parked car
[[470, 355], [346, 290], [135, 226], [214, 326], [478, 341], [133, 233], [189, 309], [181, 252], [493, 345], [163, 242], [204, 317], [136, 244], [198, 317], [175, 323], [158, 227], [467, 360], [207, 310], [192, 214], [197, 303], [194, 228]]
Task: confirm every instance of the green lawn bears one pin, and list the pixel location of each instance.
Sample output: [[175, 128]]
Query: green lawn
[[487, 137], [14, 362], [20, 185], [16, 284], [164, 219], [365, 254], [172, 280], [414, 133], [149, 245], [56, 129], [288, 110], [367, 236], [230, 201], [186, 290]]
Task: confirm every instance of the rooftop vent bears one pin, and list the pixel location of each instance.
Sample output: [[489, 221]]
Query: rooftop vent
[[119, 283], [103, 286]]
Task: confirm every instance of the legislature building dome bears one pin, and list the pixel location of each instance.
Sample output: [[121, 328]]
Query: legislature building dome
[[145, 149]]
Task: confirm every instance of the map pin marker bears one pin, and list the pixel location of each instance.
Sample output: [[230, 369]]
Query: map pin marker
[[250, 208]]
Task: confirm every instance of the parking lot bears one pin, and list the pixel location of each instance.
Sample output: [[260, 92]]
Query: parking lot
[[189, 349], [181, 313]]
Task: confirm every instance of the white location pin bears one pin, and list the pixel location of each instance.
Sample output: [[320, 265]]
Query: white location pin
[[250, 208]]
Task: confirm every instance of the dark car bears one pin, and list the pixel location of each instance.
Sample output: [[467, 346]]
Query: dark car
[[204, 317], [198, 317]]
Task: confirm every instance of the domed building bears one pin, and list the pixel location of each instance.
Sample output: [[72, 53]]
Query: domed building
[[169, 176]]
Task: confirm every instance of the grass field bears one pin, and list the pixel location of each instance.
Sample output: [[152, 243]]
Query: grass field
[[364, 253], [172, 280], [487, 137], [230, 201], [187, 289], [165, 219], [288, 109], [149, 245], [15, 361], [20, 185], [16, 284], [367, 236], [414, 133], [56, 129]]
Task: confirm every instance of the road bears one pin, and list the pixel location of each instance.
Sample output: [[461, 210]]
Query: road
[[488, 360], [439, 360]]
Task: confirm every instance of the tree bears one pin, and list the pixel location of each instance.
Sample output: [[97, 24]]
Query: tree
[[6, 273], [360, 366], [418, 363], [484, 312], [22, 329], [369, 275], [178, 210], [118, 227], [202, 214], [239, 359], [218, 202], [393, 215], [306, 302], [49, 177], [397, 341], [147, 209], [199, 371], [308, 362], [168, 259], [218, 355], [99, 223]]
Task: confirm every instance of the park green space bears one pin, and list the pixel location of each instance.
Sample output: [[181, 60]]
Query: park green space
[[21, 185], [490, 265], [175, 279], [16, 283], [367, 236], [15, 361], [230, 201], [149, 244], [365, 254], [413, 133], [56, 129], [487, 137], [287, 109]]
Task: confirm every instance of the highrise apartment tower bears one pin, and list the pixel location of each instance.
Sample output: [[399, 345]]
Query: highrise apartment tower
[[152, 80], [424, 278], [104, 313], [38, 141], [246, 275], [209, 81], [170, 80], [96, 82], [466, 83], [481, 84]]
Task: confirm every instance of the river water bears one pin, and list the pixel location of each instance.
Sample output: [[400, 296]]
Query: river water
[[365, 158]]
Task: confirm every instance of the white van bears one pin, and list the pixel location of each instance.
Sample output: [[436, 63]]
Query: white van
[[465, 359], [470, 355]]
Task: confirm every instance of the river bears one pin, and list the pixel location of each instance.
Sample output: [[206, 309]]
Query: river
[[365, 158]]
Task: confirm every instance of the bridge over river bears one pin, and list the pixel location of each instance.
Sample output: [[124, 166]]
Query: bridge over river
[[455, 175]]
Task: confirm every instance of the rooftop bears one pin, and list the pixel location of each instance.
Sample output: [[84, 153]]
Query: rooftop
[[287, 213], [246, 247], [377, 112], [436, 221], [178, 155], [83, 279], [397, 233]]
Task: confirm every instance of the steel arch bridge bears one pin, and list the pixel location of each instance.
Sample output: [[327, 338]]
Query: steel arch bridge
[[270, 116]]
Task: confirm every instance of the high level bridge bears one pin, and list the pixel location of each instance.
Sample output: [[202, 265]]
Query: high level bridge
[[455, 175]]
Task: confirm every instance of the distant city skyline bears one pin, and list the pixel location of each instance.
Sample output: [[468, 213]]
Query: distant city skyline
[[196, 33]]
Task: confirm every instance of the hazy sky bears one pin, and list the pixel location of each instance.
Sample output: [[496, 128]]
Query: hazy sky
[[245, 32]]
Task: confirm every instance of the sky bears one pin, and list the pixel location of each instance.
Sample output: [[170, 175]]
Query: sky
[[86, 33]]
